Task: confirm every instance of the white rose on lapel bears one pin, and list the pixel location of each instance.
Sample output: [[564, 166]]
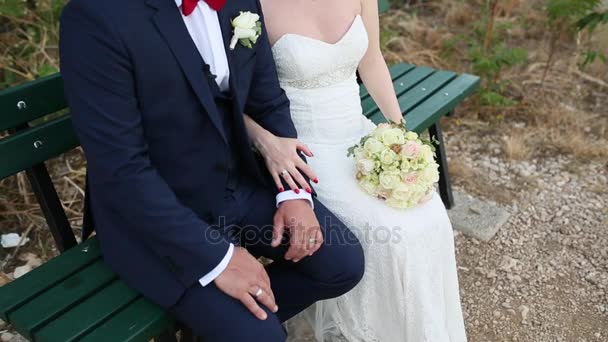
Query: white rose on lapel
[[247, 29]]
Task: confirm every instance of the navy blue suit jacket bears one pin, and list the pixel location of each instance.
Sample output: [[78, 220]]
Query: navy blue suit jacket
[[152, 135]]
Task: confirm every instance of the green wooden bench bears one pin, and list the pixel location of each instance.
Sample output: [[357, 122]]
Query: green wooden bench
[[74, 296]]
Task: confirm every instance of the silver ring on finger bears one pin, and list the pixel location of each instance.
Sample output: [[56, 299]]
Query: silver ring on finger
[[284, 173], [312, 241], [258, 292]]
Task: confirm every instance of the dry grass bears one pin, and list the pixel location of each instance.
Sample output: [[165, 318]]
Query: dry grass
[[517, 145], [20, 213], [459, 13], [578, 144], [460, 170], [413, 40]]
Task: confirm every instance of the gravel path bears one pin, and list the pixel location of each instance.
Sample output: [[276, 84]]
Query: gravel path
[[544, 277]]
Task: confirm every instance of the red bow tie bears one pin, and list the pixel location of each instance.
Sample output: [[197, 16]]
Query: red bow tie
[[188, 6]]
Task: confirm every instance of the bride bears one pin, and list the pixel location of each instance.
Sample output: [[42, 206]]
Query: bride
[[410, 289]]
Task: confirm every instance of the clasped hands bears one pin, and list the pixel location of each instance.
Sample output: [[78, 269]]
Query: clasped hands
[[245, 278]]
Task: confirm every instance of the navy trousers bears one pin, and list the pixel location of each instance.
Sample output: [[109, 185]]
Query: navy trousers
[[332, 271]]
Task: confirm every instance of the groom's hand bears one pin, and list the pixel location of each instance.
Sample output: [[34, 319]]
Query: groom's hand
[[243, 279], [305, 236]]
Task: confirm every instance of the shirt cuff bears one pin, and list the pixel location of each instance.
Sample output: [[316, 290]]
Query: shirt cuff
[[209, 277], [291, 195]]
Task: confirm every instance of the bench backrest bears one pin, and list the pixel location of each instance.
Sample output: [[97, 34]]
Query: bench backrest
[[383, 6], [39, 129]]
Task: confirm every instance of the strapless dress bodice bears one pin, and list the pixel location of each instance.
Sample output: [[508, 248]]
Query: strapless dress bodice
[[319, 79]]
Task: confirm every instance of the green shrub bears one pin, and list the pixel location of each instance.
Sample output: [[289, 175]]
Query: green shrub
[[29, 31]]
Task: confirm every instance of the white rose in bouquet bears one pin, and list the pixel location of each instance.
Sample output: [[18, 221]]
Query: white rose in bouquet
[[388, 157], [377, 133], [366, 166], [393, 136], [390, 179], [427, 153], [369, 184], [373, 146], [411, 135], [400, 197], [430, 174]]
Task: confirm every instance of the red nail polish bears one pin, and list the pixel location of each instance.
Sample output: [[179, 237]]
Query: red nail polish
[[281, 189], [308, 190], [315, 180], [297, 191]]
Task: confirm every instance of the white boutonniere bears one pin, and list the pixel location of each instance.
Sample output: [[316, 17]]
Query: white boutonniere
[[247, 29]]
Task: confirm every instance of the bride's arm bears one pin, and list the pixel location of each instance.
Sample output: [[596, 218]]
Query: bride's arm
[[281, 154], [373, 70]]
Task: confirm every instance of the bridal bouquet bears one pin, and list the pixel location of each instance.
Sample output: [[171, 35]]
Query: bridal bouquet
[[396, 166]]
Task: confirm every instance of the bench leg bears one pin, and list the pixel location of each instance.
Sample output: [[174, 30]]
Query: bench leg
[[445, 185], [50, 204], [51, 207]]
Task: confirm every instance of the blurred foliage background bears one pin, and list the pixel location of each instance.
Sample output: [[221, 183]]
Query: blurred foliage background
[[28, 39]]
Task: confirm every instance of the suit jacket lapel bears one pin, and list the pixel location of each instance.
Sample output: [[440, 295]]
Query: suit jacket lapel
[[172, 27]]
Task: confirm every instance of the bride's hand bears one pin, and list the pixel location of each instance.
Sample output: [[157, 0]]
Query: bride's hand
[[283, 154]]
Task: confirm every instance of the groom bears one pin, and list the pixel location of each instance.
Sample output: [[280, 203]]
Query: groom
[[157, 98]]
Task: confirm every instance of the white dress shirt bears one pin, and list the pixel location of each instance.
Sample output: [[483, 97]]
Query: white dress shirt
[[204, 27]]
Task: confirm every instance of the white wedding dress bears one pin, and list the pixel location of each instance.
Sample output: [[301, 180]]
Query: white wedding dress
[[410, 288]]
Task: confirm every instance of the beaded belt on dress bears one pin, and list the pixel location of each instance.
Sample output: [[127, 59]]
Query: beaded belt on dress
[[333, 77]]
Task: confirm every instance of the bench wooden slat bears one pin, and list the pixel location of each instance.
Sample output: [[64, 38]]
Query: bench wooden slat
[[383, 6], [401, 84], [423, 116], [423, 90], [41, 97], [396, 70], [19, 292], [19, 151], [87, 315], [418, 94], [138, 322], [56, 300]]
